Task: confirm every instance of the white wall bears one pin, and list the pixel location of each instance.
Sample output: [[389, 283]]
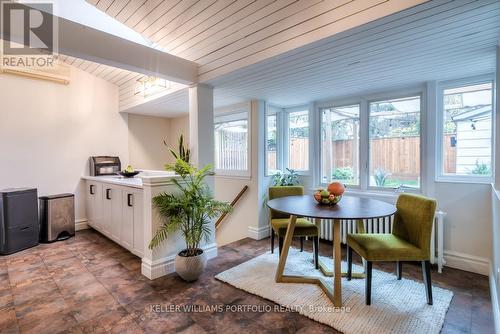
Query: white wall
[[467, 228], [246, 212], [146, 137], [48, 132]]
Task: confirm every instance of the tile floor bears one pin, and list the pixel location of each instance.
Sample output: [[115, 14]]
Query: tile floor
[[89, 284]]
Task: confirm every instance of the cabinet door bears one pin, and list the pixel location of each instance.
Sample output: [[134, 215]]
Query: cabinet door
[[106, 209], [116, 213], [127, 227], [93, 203], [139, 242]]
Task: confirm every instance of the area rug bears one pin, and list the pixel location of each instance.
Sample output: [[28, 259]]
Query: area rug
[[397, 306]]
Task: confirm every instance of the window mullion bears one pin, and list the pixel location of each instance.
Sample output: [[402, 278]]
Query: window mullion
[[364, 150]]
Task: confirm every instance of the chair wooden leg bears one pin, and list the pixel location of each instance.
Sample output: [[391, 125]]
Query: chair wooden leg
[[280, 244], [426, 271], [301, 244], [399, 269], [316, 251], [349, 263], [272, 241], [368, 285]]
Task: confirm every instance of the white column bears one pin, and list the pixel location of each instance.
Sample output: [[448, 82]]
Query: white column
[[201, 133], [201, 124]]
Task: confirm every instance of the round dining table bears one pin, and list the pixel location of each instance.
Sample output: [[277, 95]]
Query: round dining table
[[349, 208]]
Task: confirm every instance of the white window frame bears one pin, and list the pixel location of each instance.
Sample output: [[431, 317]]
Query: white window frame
[[422, 148], [364, 149], [361, 162], [235, 113], [286, 137], [273, 110], [441, 87]]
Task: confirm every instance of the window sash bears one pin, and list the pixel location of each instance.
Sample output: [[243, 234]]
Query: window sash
[[355, 166], [420, 143], [288, 113], [231, 151], [440, 163]]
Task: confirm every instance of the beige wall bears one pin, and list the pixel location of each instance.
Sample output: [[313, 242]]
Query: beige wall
[[48, 132], [146, 137]]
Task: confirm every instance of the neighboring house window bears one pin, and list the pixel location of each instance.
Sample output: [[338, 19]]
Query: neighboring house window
[[394, 143], [231, 144], [272, 143], [340, 144], [466, 131], [298, 140]]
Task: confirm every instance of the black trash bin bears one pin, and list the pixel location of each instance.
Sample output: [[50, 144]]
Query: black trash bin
[[19, 226]]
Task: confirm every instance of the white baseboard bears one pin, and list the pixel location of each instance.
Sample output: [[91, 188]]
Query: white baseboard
[[494, 300], [166, 265], [258, 233], [475, 264], [81, 224]]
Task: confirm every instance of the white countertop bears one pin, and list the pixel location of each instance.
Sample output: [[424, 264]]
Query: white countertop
[[149, 176]]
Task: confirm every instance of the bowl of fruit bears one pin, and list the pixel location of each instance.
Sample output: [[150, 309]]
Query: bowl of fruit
[[129, 172], [331, 195]]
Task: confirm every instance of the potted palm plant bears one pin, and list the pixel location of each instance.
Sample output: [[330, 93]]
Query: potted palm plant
[[191, 212]]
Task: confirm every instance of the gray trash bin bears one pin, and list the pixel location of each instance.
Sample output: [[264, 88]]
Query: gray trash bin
[[57, 217]]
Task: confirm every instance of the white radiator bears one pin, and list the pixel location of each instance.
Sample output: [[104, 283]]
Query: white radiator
[[384, 225]]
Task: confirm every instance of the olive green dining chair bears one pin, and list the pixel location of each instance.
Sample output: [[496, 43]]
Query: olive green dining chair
[[279, 222], [409, 241]]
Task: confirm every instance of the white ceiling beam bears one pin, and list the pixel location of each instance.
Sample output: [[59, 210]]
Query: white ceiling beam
[[86, 43]]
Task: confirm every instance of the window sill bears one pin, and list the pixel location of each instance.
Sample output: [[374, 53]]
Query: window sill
[[460, 179], [233, 177]]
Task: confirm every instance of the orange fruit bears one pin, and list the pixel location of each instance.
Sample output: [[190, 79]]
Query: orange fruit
[[336, 188]]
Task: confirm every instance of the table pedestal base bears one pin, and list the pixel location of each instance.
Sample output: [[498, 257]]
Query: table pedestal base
[[335, 295]]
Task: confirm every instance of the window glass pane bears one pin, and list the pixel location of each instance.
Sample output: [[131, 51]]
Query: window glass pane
[[298, 128], [231, 145], [467, 124], [340, 144], [395, 143], [271, 143]]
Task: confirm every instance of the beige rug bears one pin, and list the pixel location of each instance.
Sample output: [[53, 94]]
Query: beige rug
[[397, 306]]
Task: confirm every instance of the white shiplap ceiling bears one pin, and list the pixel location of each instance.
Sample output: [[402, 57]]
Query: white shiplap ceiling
[[224, 35], [438, 40]]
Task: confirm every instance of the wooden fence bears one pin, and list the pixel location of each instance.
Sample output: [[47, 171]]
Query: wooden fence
[[400, 156]]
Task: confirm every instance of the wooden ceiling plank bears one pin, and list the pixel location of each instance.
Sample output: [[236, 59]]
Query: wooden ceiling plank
[[103, 5], [181, 22], [165, 21], [132, 7], [162, 9], [243, 28], [210, 26], [116, 7], [338, 64], [284, 27], [388, 38], [211, 11], [236, 22], [375, 69], [246, 57], [413, 22]]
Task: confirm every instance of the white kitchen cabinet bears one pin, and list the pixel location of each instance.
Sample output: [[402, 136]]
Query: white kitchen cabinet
[[94, 204], [116, 211], [132, 230]]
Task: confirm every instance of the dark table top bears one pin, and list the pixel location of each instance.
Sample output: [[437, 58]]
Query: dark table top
[[349, 207]]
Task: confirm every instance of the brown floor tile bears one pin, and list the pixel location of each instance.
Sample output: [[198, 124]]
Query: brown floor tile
[[88, 284]]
